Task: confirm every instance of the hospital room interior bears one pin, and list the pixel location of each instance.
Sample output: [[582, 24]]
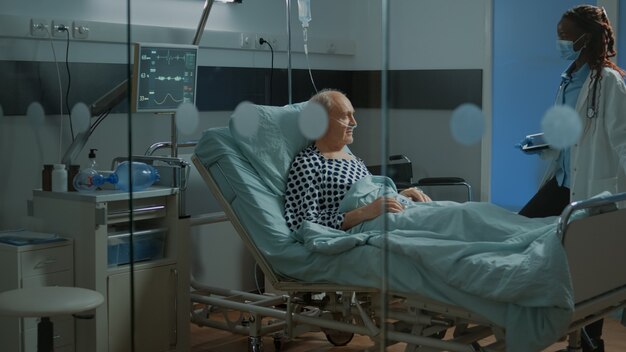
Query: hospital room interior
[[147, 147]]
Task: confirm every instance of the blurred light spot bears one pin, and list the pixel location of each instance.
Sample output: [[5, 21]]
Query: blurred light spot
[[467, 124], [561, 126], [245, 119], [187, 118], [80, 117], [313, 121], [35, 114]]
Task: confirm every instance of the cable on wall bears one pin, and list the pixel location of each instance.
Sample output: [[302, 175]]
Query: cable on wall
[[69, 80], [261, 42], [56, 63]]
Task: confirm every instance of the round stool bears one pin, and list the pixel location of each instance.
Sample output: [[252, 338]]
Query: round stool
[[45, 302]]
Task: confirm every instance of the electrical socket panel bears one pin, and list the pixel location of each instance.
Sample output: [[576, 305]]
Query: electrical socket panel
[[331, 48], [273, 40], [39, 28], [246, 41], [80, 30], [61, 28]]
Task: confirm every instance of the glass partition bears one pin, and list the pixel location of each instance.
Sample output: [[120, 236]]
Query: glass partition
[[64, 118], [268, 168], [433, 130]]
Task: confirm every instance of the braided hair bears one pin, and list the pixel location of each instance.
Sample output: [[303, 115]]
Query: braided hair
[[600, 47]]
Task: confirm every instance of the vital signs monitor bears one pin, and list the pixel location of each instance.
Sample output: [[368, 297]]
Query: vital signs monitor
[[164, 76]]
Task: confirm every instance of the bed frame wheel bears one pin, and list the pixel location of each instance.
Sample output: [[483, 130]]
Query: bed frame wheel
[[338, 338], [278, 343], [255, 344]]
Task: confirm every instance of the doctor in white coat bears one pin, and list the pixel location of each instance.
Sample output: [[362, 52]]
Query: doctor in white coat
[[594, 87]]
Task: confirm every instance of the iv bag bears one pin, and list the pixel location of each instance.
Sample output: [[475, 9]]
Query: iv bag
[[304, 12]]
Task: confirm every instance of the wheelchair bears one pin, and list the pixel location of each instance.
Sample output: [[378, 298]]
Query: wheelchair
[[400, 170]]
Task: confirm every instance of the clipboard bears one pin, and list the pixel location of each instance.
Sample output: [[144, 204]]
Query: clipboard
[[534, 143]]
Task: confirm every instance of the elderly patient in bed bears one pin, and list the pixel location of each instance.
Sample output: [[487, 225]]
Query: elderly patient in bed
[[323, 172]]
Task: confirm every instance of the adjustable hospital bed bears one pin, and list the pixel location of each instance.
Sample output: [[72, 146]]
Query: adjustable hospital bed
[[345, 285]]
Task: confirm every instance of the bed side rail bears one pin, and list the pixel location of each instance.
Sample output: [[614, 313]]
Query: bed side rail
[[594, 246], [593, 203]]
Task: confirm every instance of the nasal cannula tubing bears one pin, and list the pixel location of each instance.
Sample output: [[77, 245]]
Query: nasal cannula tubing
[[345, 124]]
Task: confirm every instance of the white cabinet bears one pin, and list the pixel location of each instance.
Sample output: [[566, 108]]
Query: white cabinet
[[100, 224], [34, 265], [155, 292]]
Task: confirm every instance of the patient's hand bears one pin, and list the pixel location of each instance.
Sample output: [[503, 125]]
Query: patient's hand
[[370, 211], [389, 204], [416, 195]]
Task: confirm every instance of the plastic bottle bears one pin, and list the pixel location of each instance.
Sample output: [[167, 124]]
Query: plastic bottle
[[46, 177], [59, 178], [89, 179], [143, 175], [92, 159]]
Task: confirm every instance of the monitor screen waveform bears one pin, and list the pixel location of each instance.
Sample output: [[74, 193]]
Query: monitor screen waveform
[[165, 76]]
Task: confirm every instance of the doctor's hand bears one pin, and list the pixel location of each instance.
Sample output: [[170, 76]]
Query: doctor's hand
[[416, 194]]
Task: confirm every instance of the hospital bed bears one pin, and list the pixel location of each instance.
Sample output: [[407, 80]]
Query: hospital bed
[[349, 296]]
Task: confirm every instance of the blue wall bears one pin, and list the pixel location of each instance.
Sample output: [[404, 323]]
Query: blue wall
[[526, 71]]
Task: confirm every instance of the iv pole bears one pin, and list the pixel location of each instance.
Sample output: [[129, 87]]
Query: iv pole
[[115, 96], [288, 10]]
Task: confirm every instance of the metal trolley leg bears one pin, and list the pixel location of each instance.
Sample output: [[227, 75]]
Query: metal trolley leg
[[255, 344]]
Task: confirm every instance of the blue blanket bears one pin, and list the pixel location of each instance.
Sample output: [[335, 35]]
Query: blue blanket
[[465, 251]]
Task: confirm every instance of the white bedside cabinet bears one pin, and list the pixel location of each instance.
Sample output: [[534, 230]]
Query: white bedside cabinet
[[34, 265], [100, 224]]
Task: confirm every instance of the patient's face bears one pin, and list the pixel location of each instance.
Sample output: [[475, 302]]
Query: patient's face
[[341, 120]]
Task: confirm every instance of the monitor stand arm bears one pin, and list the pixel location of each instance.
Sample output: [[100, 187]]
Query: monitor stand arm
[[115, 96]]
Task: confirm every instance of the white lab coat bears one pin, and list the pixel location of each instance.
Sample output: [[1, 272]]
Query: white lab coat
[[598, 160]]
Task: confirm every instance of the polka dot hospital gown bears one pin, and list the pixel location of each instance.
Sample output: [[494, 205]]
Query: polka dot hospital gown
[[316, 185]]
